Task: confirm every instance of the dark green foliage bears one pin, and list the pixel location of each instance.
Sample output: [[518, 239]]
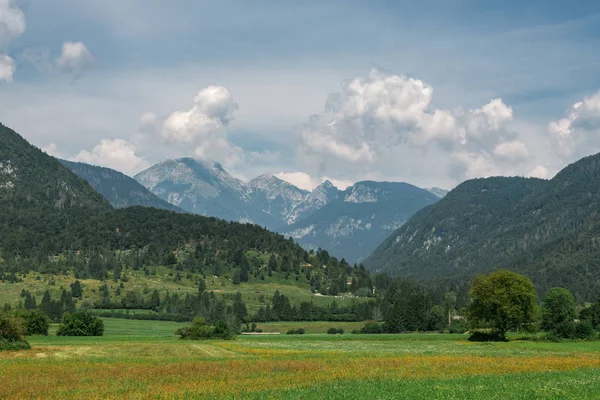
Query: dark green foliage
[[372, 327], [583, 330], [546, 230], [80, 324], [458, 326], [558, 308], [35, 322], [487, 336], [502, 301], [40, 200], [12, 332], [299, 331], [335, 331], [76, 289], [199, 330], [55, 309]]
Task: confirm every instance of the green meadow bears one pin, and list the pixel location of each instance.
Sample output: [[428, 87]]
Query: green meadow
[[144, 359]]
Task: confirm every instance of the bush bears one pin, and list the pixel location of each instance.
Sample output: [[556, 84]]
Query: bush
[[486, 336], [18, 345], [299, 331], [340, 331], [371, 327], [36, 322], [458, 326], [80, 324], [201, 331], [583, 330], [332, 331], [12, 333]]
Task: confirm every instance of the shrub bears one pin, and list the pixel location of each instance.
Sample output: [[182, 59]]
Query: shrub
[[584, 330], [371, 327], [457, 326], [487, 336], [299, 331], [340, 331], [201, 331], [80, 324], [332, 331], [12, 333], [355, 331], [36, 322]]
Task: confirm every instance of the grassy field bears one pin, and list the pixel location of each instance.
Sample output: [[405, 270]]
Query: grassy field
[[256, 292], [142, 359]]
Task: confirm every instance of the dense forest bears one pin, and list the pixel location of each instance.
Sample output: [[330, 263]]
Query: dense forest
[[547, 230]]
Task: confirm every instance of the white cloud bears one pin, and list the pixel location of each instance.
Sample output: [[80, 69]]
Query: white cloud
[[117, 154], [12, 25], [52, 150], [12, 22], [513, 150], [374, 123], [7, 68], [578, 134], [75, 58], [200, 131], [540, 171]]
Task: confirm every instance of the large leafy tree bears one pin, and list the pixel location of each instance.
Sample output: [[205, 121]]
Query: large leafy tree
[[503, 300], [558, 307]]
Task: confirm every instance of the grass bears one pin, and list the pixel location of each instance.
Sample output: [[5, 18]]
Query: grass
[[256, 292], [142, 359]]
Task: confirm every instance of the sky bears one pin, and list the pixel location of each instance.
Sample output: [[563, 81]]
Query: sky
[[430, 93]]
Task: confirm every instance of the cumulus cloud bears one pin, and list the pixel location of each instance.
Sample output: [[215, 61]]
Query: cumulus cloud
[[52, 150], [578, 134], [7, 68], [12, 25], [117, 154], [12, 22], [540, 171], [513, 150], [377, 120], [75, 58], [200, 131]]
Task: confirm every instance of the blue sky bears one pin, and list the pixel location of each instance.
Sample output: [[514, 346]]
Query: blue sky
[[426, 116]]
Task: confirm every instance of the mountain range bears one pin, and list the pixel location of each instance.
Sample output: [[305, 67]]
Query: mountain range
[[117, 188], [546, 229], [349, 224]]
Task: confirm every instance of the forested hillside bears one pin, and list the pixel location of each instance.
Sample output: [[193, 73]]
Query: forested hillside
[[40, 199], [117, 188], [545, 229], [53, 221]]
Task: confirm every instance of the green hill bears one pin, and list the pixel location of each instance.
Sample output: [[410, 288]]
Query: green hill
[[545, 229], [39, 198], [55, 227]]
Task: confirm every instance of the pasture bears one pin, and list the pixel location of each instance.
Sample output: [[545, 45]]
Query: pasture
[[142, 359]]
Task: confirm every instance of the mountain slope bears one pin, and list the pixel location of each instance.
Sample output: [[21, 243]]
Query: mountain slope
[[119, 189], [352, 225], [322, 195], [546, 229], [204, 188], [275, 196], [39, 195]]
